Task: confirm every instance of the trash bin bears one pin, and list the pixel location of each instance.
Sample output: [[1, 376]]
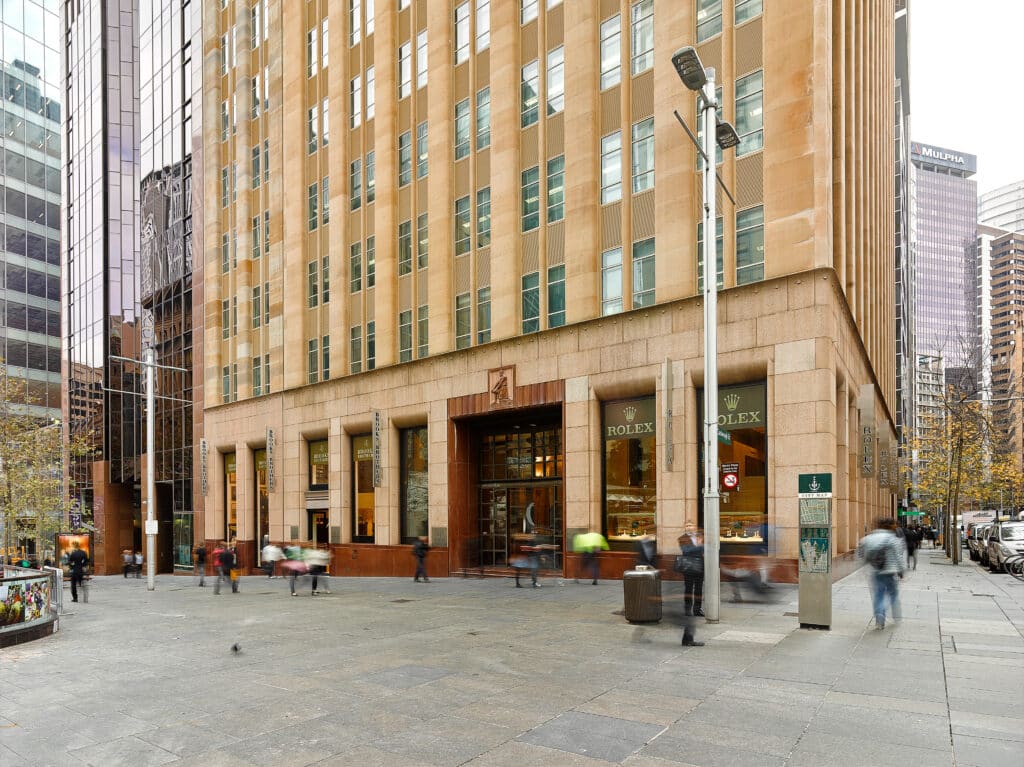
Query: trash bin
[[642, 591]]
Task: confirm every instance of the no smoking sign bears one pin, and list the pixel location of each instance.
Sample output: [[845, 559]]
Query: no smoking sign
[[730, 476]]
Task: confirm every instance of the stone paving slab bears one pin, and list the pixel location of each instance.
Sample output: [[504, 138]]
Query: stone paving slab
[[474, 672]]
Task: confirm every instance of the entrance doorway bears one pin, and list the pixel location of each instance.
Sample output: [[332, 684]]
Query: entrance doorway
[[317, 526], [512, 516]]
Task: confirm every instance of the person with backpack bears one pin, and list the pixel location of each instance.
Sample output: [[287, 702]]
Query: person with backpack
[[885, 555]]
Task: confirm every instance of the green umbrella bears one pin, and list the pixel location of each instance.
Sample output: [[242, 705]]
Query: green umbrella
[[588, 541]]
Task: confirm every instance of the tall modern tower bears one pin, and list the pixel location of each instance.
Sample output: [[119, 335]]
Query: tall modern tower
[[1003, 207], [945, 235], [1007, 355], [30, 156], [127, 257], [904, 255]]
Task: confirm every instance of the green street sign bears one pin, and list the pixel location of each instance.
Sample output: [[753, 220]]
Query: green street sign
[[814, 485]]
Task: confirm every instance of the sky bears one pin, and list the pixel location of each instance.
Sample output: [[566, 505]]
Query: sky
[[971, 101]]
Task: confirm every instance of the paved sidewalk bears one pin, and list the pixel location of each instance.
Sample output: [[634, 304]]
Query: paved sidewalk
[[474, 672]]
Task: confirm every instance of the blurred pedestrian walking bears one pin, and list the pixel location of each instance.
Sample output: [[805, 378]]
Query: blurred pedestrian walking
[[317, 561], [200, 559], [271, 555], [77, 561], [419, 550], [884, 553], [691, 566]]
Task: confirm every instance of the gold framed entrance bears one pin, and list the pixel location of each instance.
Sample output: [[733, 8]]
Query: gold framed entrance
[[520, 494]]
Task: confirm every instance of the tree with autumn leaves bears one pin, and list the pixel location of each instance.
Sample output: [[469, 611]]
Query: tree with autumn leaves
[[34, 497]]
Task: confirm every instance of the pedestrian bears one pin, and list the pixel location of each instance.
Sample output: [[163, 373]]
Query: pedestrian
[[913, 539], [317, 561], [419, 550], [129, 561], [138, 563], [691, 550], [221, 563], [77, 560], [530, 559], [647, 551], [200, 557], [691, 564], [590, 564], [233, 571], [882, 550], [271, 554], [294, 564]]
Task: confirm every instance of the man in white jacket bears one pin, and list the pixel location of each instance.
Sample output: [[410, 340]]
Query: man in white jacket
[[884, 552]]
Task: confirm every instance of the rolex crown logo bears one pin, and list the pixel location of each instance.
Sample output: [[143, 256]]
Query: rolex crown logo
[[732, 401], [630, 413]]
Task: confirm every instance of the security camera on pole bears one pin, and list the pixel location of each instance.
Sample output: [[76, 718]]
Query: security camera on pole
[[695, 77]]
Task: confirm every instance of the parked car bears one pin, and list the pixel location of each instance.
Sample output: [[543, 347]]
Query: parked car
[[1004, 540], [983, 544], [976, 540]]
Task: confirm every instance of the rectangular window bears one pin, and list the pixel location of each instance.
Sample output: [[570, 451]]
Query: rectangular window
[[256, 247], [483, 315], [749, 114], [404, 158], [421, 150], [256, 173], [528, 11], [312, 284], [643, 273], [266, 314], [462, 226], [312, 361], [325, 123], [257, 306], [266, 231], [404, 248], [324, 46], [611, 281], [254, 25], [750, 245], [313, 213], [556, 296], [371, 345], [528, 101], [234, 315], [611, 51], [556, 189], [355, 101], [556, 80], [225, 188], [355, 22], [421, 59], [630, 471], [355, 267], [325, 200], [404, 70], [405, 336], [422, 331], [483, 24], [371, 93], [747, 9], [255, 98], [325, 358], [531, 198], [225, 120], [319, 464], [422, 241], [642, 15], [225, 319], [325, 279], [611, 167], [371, 177], [462, 118], [531, 302], [226, 384], [257, 377], [312, 128], [363, 502], [462, 33], [483, 118], [312, 55], [483, 217], [225, 253], [355, 349], [709, 19], [266, 374], [355, 182], [266, 161], [371, 261], [369, 17], [463, 315], [719, 248], [643, 155], [413, 484]]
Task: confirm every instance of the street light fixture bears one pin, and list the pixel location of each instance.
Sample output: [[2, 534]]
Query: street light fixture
[[698, 78]]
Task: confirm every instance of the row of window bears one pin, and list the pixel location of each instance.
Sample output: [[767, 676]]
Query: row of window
[[709, 15]]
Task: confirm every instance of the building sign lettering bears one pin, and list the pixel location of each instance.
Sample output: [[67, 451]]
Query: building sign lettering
[[632, 418], [741, 407], [270, 459], [204, 479], [378, 428]]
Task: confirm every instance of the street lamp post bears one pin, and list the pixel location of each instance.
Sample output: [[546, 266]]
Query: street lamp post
[[696, 78]]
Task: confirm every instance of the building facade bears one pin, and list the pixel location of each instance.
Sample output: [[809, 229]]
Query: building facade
[[127, 257], [904, 254], [1007, 356], [30, 214], [452, 276], [1003, 207]]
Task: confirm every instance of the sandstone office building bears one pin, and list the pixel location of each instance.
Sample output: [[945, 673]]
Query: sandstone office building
[[452, 275]]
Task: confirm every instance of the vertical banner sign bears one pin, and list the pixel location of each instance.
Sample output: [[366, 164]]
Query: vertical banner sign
[[666, 398], [377, 429], [270, 460], [866, 408], [204, 479], [884, 446]]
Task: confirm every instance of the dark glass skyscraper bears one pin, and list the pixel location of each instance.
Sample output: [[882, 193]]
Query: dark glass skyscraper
[[945, 230], [128, 263], [30, 155]]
